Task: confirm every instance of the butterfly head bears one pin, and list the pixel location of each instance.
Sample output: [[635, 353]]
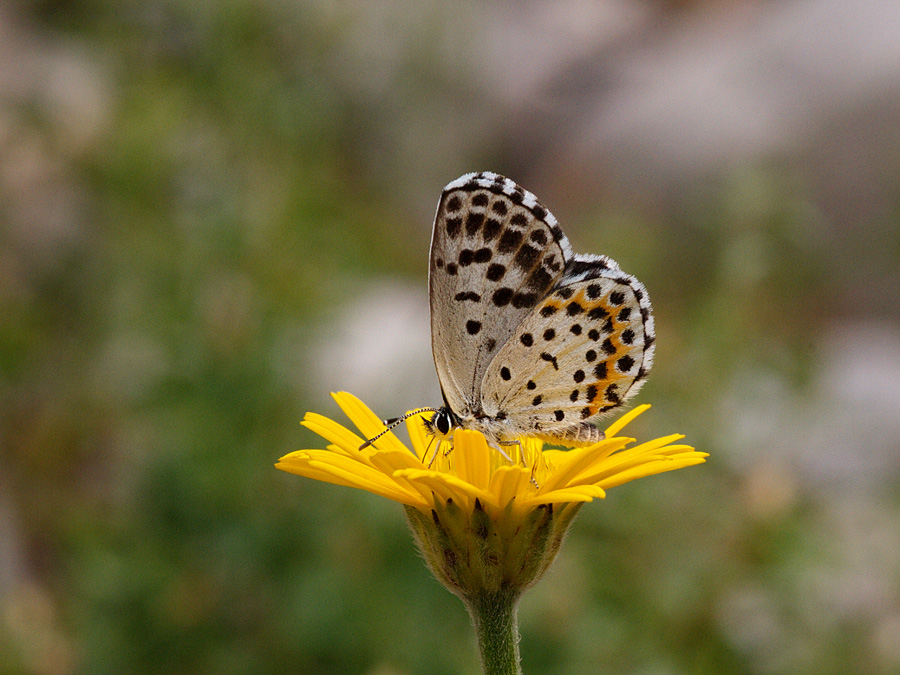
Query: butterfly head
[[442, 423]]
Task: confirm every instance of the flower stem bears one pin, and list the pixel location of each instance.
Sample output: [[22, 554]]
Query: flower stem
[[497, 630]]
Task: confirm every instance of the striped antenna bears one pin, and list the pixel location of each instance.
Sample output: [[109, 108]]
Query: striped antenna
[[391, 423]]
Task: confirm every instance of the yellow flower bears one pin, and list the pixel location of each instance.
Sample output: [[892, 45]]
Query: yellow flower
[[473, 471], [487, 528]]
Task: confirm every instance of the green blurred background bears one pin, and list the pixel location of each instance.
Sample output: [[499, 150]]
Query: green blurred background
[[213, 213]]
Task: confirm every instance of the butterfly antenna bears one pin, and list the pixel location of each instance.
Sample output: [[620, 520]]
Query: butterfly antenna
[[391, 423]]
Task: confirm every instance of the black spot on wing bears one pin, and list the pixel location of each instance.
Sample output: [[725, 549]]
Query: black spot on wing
[[539, 237], [502, 296], [611, 393], [518, 221], [524, 300], [552, 263], [474, 222], [495, 271], [482, 255], [625, 364], [453, 226], [539, 279], [492, 228], [509, 241], [527, 256], [550, 359], [463, 296]]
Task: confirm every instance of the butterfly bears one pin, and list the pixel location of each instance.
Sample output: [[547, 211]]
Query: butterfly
[[528, 338]]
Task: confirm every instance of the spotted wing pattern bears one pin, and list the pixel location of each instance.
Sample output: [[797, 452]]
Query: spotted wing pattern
[[495, 254], [586, 348]]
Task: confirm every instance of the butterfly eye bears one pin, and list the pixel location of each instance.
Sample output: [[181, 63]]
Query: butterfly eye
[[441, 422]]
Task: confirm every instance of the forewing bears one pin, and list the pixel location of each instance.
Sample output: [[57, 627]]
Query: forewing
[[584, 350], [495, 254]]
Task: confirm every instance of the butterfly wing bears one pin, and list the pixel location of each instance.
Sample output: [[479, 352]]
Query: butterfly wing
[[495, 254], [584, 349]]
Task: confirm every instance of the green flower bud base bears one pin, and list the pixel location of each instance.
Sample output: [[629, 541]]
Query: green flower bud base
[[489, 561]]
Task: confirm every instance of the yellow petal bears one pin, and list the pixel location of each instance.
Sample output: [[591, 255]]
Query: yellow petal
[[389, 461], [331, 431], [346, 471], [508, 482], [648, 469], [449, 487], [418, 435], [617, 426], [367, 422], [624, 459], [580, 493], [578, 460], [650, 447], [471, 458]]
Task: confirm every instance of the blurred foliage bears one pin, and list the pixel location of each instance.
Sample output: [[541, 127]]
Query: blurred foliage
[[153, 330]]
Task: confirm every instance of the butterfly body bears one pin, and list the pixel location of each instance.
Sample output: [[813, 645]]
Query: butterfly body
[[529, 339]]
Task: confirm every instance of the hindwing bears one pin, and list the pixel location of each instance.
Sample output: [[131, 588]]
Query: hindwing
[[583, 350]]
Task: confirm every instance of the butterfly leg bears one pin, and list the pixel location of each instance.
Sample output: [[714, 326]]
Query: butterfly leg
[[524, 461], [437, 450], [497, 447], [521, 450]]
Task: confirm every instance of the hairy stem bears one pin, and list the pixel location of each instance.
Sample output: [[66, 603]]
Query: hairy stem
[[497, 630]]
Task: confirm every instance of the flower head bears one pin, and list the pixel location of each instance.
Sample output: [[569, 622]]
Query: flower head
[[487, 527], [470, 472]]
